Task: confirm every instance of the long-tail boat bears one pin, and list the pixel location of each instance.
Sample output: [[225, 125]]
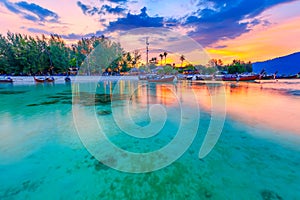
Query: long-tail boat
[[6, 80], [162, 79], [44, 80], [240, 78]]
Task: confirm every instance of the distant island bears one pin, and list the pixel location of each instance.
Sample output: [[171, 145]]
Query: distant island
[[289, 64]]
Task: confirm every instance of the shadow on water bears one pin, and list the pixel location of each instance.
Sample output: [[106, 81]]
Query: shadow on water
[[12, 92]]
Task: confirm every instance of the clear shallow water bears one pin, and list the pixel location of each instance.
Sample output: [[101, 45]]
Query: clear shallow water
[[256, 157]]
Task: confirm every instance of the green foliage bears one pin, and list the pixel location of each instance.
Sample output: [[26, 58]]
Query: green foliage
[[144, 68], [115, 64], [189, 67], [4, 54], [72, 62], [167, 70], [21, 54], [152, 66], [125, 62], [238, 66], [102, 54], [58, 55], [25, 55], [249, 67], [214, 65], [206, 69]]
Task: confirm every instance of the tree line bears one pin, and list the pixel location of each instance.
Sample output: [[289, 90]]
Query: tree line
[[236, 66], [216, 66], [27, 55], [22, 54]]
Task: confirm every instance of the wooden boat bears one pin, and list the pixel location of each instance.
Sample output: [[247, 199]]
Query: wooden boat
[[148, 76], [162, 79], [39, 80], [267, 77], [240, 78], [189, 77], [143, 77], [264, 76], [44, 80], [204, 77], [50, 79], [6, 80], [181, 77], [287, 77], [199, 78]]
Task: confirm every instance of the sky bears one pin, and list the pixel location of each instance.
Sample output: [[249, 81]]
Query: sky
[[249, 30]]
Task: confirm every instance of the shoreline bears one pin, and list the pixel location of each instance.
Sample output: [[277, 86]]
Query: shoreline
[[25, 80], [28, 80]]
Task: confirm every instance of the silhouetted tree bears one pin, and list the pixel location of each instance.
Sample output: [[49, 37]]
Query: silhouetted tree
[[165, 55], [182, 58], [161, 57]]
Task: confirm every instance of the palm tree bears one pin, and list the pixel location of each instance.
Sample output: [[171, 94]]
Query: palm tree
[[161, 57], [165, 54], [182, 58], [153, 60], [136, 57]]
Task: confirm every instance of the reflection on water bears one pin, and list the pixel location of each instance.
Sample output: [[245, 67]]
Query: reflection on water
[[141, 92], [272, 105], [41, 154], [256, 105], [274, 109]]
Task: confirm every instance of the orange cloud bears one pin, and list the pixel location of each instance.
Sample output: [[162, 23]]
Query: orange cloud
[[263, 42]]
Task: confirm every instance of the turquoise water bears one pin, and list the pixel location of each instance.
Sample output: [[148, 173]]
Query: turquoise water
[[42, 154]]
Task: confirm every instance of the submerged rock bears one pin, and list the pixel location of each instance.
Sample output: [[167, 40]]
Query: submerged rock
[[13, 92], [102, 98], [207, 194], [55, 97], [104, 112], [92, 158], [100, 166], [34, 104], [49, 102], [270, 195], [67, 102]]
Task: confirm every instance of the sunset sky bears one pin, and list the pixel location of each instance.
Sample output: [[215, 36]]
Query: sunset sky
[[250, 30]]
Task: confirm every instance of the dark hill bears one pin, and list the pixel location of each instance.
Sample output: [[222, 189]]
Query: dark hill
[[289, 64]]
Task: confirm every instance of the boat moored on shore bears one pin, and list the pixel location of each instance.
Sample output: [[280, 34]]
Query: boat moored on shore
[[161, 79], [240, 77], [6, 80], [44, 80]]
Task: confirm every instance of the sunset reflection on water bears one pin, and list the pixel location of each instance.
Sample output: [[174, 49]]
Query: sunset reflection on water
[[252, 103], [273, 108]]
